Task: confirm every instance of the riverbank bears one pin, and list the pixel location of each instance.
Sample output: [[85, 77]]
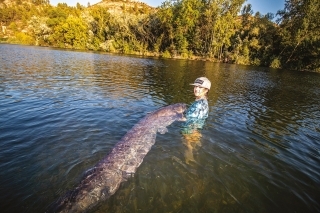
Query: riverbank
[[145, 53]]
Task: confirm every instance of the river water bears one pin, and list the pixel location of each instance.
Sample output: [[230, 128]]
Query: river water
[[62, 111]]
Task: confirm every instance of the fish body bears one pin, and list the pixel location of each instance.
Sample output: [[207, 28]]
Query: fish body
[[103, 180]]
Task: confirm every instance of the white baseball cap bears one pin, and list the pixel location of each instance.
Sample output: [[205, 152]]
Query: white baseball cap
[[202, 82]]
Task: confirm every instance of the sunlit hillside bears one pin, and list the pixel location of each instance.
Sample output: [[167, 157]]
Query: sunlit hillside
[[185, 29], [123, 6]]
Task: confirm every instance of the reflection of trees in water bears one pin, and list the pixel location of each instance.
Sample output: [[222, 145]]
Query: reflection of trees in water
[[111, 75], [269, 103], [171, 82], [166, 80], [285, 105], [119, 76], [274, 112]]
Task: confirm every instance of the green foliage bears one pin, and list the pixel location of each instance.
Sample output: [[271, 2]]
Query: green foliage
[[256, 39], [299, 22], [38, 28], [108, 46], [180, 29], [71, 34], [13, 26], [21, 38], [241, 59], [275, 63], [166, 54], [256, 62]]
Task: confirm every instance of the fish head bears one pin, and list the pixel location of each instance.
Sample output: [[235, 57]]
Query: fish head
[[172, 112], [179, 107]]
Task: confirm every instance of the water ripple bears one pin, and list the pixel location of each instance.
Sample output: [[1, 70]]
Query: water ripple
[[62, 111]]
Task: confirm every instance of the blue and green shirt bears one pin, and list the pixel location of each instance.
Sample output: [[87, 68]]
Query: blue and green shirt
[[196, 115]]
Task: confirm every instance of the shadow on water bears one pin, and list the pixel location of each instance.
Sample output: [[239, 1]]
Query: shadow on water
[[62, 111]]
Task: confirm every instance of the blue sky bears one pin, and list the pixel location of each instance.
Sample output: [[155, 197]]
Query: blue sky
[[263, 6]]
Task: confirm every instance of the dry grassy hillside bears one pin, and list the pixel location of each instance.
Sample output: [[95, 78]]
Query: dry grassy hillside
[[120, 6]]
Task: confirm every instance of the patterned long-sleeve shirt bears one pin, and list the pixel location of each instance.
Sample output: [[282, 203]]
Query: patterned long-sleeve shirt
[[196, 115]]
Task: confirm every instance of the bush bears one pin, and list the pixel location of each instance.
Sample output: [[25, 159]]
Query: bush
[[244, 60], [166, 54], [22, 38], [256, 62], [276, 63]]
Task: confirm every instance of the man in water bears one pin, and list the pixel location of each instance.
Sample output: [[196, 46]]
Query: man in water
[[196, 115]]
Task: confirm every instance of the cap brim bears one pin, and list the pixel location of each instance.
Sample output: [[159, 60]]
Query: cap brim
[[199, 85]]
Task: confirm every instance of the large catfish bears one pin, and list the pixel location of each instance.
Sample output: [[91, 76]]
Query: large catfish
[[103, 180]]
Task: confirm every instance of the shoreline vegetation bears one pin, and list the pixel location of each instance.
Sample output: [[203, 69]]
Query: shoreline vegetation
[[226, 31]]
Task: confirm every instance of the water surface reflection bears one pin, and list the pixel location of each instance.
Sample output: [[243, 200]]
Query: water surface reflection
[[62, 111]]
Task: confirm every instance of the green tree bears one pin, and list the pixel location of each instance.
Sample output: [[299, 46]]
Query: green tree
[[165, 34], [7, 14], [71, 34], [256, 40], [98, 25], [223, 25], [201, 27], [187, 15], [300, 26], [39, 30]]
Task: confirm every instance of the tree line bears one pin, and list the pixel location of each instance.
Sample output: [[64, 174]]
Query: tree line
[[218, 30]]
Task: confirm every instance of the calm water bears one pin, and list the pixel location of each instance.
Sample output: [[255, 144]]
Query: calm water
[[62, 111]]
